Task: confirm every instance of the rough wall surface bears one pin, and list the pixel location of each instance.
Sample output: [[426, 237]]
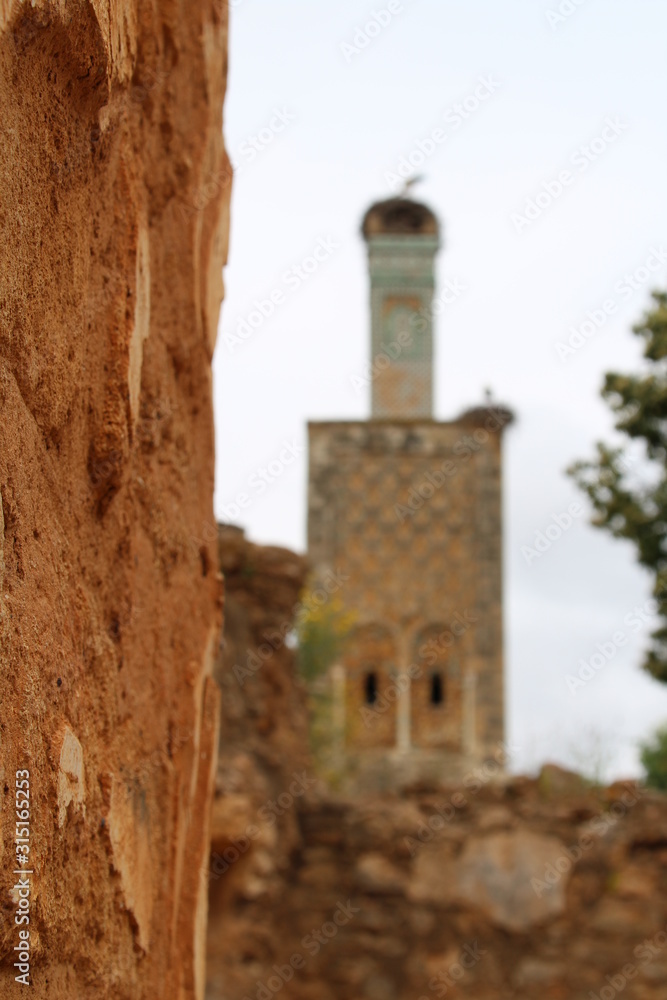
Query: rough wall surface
[[264, 765], [485, 891], [114, 187]]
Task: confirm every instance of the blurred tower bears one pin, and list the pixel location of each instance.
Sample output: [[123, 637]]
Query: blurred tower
[[406, 513], [402, 238]]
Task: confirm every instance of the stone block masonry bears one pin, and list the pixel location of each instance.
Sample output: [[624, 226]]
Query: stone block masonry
[[483, 890]]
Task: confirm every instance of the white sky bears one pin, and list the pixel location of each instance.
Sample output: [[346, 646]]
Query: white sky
[[350, 119]]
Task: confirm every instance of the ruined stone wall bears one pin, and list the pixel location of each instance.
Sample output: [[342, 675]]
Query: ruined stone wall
[[114, 190], [264, 764], [514, 891]]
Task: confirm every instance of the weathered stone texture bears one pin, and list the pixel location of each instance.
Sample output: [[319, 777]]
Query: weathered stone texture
[[264, 765], [114, 188], [466, 892]]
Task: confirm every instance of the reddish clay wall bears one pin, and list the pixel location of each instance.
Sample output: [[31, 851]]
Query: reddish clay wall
[[114, 188]]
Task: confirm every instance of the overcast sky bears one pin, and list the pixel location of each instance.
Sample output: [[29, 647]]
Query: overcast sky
[[326, 101]]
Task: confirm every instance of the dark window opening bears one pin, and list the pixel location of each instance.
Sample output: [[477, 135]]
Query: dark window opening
[[437, 690], [371, 688]]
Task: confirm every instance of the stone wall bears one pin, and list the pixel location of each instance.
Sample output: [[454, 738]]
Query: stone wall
[[510, 891], [114, 190], [264, 765], [470, 892]]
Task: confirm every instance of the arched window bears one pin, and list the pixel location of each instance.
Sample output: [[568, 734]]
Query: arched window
[[437, 690], [371, 688]]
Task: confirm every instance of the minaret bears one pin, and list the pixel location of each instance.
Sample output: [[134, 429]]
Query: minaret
[[403, 239], [407, 509]]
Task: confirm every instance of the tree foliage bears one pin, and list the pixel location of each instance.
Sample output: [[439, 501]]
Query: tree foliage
[[323, 626], [629, 496], [654, 759]]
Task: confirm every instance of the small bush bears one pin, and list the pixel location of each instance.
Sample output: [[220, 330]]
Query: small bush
[[654, 759]]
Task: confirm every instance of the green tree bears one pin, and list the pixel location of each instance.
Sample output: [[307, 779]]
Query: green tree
[[630, 496], [323, 627], [654, 759]]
